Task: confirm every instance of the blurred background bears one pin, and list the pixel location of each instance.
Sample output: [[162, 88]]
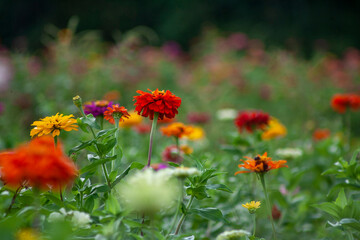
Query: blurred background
[[286, 58], [214, 54], [298, 25]]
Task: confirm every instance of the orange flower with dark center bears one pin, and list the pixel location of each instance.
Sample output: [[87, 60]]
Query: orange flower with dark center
[[117, 112], [38, 164], [177, 129], [341, 102], [260, 164], [162, 102]]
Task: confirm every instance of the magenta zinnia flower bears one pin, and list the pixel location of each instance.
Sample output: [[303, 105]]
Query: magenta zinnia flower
[[97, 108]]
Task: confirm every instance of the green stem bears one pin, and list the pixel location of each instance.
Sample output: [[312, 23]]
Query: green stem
[[117, 142], [177, 144], [348, 129], [153, 128], [102, 122], [37, 205], [13, 199], [81, 200], [178, 208], [181, 221], [106, 175], [60, 193], [97, 148], [349, 235], [56, 141], [254, 217], [268, 204]]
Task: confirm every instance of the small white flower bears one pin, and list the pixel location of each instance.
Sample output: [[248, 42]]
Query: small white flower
[[80, 219], [226, 114], [233, 234], [289, 152], [56, 217]]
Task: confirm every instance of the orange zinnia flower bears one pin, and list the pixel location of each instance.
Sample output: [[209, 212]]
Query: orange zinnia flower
[[161, 102], [320, 134], [260, 164], [340, 102], [39, 164], [117, 111], [177, 129]]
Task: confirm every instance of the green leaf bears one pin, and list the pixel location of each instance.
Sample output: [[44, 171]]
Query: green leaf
[[81, 146], [198, 192], [173, 164], [112, 175], [107, 147], [96, 163], [89, 204], [82, 125], [132, 223], [341, 200], [112, 205], [350, 222], [126, 171], [119, 154], [54, 199], [354, 156], [105, 133], [100, 188], [206, 175], [238, 140], [90, 120], [220, 187], [213, 214], [331, 208]]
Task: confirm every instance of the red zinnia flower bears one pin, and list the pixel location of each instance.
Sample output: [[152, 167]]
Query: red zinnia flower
[[275, 212], [172, 154], [117, 111], [161, 102], [252, 120], [260, 164], [340, 102], [39, 164]]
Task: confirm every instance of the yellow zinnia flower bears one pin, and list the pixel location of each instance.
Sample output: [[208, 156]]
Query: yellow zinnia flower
[[134, 120], [275, 130], [186, 149], [196, 133], [252, 206], [27, 234], [53, 125]]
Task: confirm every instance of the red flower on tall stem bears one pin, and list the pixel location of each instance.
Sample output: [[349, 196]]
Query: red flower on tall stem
[[341, 102], [252, 120], [162, 102]]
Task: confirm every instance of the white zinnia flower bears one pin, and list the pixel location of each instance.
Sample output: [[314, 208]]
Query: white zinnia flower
[[289, 152], [233, 234], [149, 191], [226, 114]]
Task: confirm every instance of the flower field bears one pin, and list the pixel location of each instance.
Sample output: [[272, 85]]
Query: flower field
[[226, 140]]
